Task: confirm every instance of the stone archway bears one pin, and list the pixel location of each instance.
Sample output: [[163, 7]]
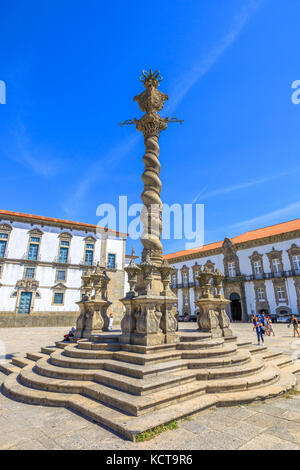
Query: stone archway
[[235, 307]]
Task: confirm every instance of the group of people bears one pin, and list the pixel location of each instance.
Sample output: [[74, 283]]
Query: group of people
[[262, 324]]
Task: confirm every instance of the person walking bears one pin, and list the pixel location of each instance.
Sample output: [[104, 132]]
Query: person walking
[[111, 319], [270, 326], [266, 325], [295, 324], [258, 326]]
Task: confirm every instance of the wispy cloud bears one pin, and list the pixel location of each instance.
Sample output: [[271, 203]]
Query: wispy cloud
[[101, 169], [204, 64], [289, 211], [182, 87], [237, 187], [23, 151]]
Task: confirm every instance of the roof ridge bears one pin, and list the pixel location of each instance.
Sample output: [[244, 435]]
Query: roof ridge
[[202, 248], [43, 218]]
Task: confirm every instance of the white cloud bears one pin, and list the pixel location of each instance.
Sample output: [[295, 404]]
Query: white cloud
[[27, 154], [192, 76], [291, 211], [238, 187], [98, 170], [182, 87]]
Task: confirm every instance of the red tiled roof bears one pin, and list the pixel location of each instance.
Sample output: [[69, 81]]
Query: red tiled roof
[[272, 230], [42, 219]]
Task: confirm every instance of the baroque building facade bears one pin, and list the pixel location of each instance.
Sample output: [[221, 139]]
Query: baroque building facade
[[262, 269], [41, 263]]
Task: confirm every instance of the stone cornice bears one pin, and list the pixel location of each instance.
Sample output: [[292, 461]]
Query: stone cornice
[[62, 224], [238, 246]]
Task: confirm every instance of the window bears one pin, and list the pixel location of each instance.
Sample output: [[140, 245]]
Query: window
[[185, 300], [276, 265], [3, 244], [33, 248], [231, 269], [29, 273], [261, 294], [197, 278], [61, 275], [281, 293], [185, 278], [63, 251], [111, 261], [174, 279], [89, 254], [296, 262], [58, 298], [257, 267]]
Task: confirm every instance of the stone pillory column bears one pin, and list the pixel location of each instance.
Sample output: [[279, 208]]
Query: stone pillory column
[[150, 304]]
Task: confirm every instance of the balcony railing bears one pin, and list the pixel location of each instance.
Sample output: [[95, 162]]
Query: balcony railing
[[244, 277], [25, 257], [59, 260], [83, 262]]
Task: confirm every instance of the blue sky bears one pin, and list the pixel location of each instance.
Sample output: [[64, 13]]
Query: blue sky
[[71, 70]]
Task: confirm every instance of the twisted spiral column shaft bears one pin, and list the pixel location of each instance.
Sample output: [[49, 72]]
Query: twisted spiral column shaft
[[152, 210]]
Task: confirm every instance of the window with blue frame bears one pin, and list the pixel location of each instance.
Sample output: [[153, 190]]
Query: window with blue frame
[[111, 260], [89, 254], [61, 275], [63, 251], [3, 244], [58, 298], [29, 273], [33, 248]]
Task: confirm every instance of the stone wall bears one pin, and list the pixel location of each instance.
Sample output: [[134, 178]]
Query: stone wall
[[11, 320], [115, 292]]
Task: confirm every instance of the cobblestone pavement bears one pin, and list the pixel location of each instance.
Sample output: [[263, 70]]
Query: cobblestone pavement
[[273, 424]]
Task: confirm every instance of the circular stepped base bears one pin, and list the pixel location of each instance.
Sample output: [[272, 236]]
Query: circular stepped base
[[131, 389]]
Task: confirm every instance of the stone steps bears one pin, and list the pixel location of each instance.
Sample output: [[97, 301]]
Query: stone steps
[[200, 345], [130, 426], [136, 358], [114, 364], [88, 345], [132, 404], [223, 351], [131, 385], [135, 348], [146, 359], [256, 349], [35, 356], [128, 370], [260, 379], [59, 358], [267, 356], [127, 426], [237, 359], [48, 350], [244, 344], [286, 381], [189, 337], [282, 361], [250, 368], [105, 338], [21, 361], [7, 368], [73, 351]]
